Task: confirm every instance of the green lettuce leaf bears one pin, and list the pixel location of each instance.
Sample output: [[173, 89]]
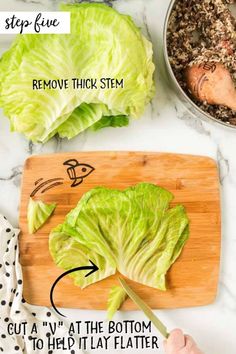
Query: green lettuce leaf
[[82, 118], [103, 44], [38, 213], [68, 254], [117, 296], [116, 121], [133, 231]]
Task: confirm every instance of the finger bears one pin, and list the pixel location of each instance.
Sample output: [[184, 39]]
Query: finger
[[191, 345], [176, 340], [189, 342]]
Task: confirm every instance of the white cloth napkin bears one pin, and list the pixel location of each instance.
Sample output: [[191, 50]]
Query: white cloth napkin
[[13, 308]]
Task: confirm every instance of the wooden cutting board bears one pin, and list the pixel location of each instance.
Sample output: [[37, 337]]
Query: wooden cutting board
[[64, 178]]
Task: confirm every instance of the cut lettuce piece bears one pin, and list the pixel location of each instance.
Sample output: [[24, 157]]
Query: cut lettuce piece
[[38, 213], [102, 44], [117, 296], [134, 230]]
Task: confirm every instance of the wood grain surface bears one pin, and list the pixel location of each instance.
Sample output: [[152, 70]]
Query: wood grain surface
[[192, 280]]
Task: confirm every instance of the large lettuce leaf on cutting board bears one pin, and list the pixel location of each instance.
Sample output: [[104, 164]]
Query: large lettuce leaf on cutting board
[[103, 44], [68, 254], [38, 213], [133, 231]]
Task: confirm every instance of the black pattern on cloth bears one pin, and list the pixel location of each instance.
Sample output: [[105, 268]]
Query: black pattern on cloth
[[13, 307]]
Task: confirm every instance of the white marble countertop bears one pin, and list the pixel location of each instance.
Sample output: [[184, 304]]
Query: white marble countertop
[[166, 126]]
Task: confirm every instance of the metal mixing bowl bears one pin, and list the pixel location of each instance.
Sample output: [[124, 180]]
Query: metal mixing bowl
[[192, 107]]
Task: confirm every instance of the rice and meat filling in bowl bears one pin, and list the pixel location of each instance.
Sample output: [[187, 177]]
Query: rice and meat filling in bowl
[[202, 32]]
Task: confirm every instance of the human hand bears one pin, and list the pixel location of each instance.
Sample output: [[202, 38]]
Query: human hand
[[178, 343]]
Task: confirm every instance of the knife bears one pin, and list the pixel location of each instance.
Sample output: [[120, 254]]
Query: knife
[[145, 308]]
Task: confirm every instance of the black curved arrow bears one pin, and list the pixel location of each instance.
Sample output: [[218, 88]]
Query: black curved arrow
[[93, 268]]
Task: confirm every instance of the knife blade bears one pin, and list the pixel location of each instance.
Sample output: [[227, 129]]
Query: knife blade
[[145, 308]]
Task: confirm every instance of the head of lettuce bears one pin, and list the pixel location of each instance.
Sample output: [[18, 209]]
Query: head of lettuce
[[103, 44]]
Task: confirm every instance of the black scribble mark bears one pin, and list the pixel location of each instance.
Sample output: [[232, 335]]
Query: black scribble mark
[[208, 66], [199, 85], [77, 171], [37, 182], [45, 183], [52, 186]]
